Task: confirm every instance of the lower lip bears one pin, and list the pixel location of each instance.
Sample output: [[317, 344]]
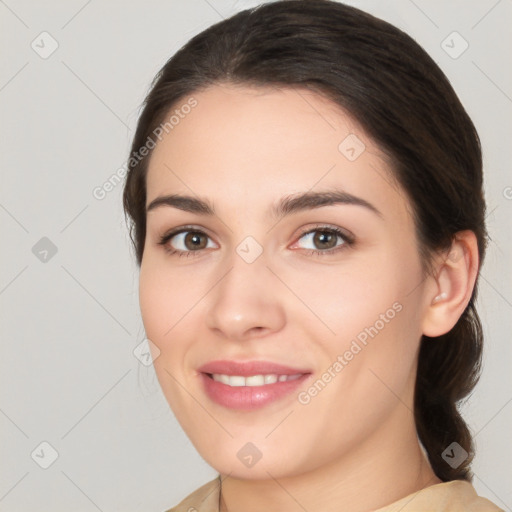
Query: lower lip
[[248, 397]]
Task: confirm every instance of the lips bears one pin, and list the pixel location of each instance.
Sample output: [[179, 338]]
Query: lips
[[249, 385]]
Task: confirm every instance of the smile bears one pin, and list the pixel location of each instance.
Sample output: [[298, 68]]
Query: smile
[[249, 385]]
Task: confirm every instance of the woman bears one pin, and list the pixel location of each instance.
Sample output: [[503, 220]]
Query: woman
[[305, 193]]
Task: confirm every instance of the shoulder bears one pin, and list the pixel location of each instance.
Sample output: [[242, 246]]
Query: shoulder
[[204, 499], [454, 496]]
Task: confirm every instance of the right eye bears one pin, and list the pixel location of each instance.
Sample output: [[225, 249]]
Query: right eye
[[185, 241]]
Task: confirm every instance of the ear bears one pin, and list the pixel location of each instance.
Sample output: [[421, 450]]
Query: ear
[[451, 286]]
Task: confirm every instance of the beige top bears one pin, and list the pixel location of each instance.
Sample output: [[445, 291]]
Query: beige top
[[454, 496]]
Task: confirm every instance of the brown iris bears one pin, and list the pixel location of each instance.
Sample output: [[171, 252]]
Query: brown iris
[[194, 241], [325, 239]]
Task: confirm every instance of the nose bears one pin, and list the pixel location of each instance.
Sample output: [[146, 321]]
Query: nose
[[246, 303]]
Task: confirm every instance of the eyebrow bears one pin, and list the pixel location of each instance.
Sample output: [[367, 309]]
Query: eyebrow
[[286, 206]]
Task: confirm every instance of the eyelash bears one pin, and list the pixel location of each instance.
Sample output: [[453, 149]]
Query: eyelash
[[348, 241]]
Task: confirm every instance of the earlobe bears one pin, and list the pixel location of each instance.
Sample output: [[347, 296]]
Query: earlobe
[[452, 286]]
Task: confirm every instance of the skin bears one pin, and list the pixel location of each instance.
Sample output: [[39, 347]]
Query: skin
[[243, 149]]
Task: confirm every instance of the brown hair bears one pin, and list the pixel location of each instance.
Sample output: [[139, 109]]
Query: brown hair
[[404, 102]]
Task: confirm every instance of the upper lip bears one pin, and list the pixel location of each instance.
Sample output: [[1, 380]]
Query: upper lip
[[248, 368]]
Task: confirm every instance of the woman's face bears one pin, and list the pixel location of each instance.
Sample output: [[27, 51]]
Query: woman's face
[[286, 314]]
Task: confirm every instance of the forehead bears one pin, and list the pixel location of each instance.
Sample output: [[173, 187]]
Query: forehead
[[256, 144], [259, 122]]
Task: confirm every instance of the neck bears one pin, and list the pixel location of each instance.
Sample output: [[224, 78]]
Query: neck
[[385, 468]]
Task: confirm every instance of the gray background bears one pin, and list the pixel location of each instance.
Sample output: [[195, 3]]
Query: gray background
[[70, 320]]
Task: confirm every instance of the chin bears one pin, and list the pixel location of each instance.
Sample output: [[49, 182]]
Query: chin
[[249, 461]]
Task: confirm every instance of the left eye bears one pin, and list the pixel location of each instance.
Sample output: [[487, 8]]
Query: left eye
[[190, 241], [323, 239]]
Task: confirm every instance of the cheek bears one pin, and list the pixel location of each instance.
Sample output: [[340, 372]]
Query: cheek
[[163, 298], [165, 295], [367, 373], [366, 314], [162, 306], [170, 301], [343, 301], [154, 303], [377, 337]]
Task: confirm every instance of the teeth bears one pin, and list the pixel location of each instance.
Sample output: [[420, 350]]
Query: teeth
[[252, 380], [236, 381], [270, 379], [223, 378]]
